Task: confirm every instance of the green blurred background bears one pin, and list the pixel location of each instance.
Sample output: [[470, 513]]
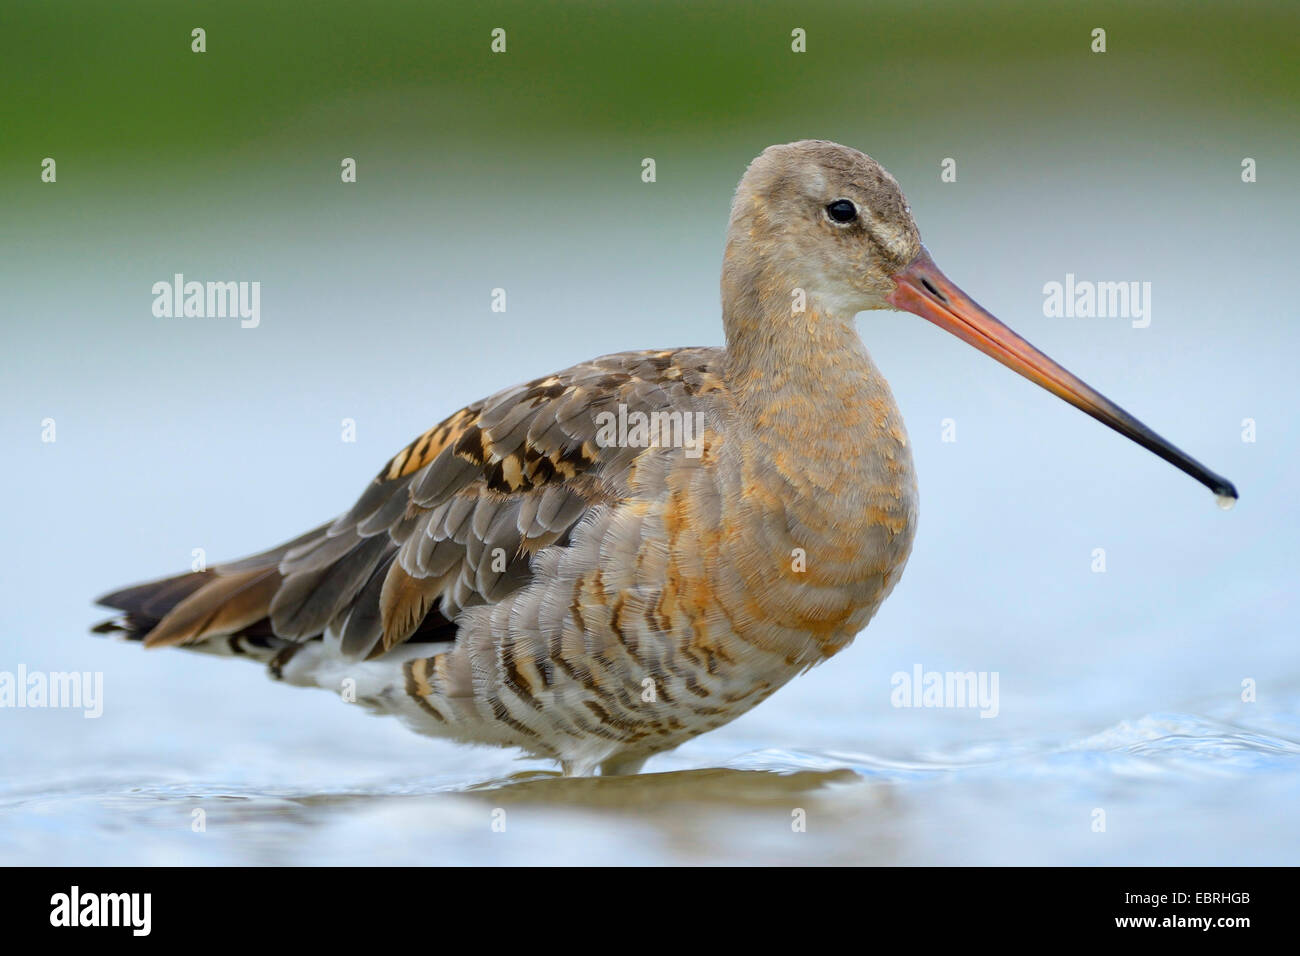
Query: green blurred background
[[113, 84]]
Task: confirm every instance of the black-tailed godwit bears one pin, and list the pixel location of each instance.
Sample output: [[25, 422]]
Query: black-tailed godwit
[[523, 575]]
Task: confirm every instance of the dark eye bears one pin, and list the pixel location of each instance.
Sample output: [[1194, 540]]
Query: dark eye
[[842, 210]]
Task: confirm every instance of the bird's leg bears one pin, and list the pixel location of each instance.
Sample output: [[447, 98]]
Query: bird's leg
[[628, 764]]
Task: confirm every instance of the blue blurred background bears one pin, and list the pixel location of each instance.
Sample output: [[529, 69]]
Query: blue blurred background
[[1120, 691]]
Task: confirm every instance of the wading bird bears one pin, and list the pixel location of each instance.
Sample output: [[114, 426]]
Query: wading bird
[[511, 578]]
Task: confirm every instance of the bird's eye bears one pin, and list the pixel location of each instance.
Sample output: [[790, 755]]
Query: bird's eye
[[842, 211]]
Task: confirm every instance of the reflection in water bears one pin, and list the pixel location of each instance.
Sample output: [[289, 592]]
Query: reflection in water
[[1164, 782], [723, 786]]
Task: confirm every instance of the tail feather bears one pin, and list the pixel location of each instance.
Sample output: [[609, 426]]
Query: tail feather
[[150, 601], [228, 609], [225, 605], [191, 607], [187, 608]]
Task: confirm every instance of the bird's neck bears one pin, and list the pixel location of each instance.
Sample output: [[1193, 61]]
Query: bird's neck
[[798, 372], [827, 497]]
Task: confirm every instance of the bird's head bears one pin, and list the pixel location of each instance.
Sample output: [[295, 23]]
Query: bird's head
[[820, 232], [826, 216]]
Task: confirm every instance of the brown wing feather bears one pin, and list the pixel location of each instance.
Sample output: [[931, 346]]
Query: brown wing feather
[[452, 520], [403, 603]]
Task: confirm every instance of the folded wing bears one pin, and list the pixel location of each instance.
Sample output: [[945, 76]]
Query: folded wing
[[452, 521]]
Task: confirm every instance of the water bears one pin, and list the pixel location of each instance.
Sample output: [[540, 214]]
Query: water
[[1174, 788]]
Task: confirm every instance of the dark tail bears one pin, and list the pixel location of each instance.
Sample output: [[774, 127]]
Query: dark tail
[[188, 608]]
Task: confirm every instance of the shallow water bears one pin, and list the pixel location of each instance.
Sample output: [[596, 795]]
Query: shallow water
[[1174, 788]]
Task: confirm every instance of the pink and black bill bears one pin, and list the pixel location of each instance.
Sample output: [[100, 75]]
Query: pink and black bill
[[923, 289]]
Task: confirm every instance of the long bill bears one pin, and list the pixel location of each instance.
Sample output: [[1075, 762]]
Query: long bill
[[926, 291]]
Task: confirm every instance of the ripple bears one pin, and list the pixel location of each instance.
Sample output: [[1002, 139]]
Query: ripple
[[1217, 788], [1171, 743]]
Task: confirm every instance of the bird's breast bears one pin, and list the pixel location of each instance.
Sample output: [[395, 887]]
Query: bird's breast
[[810, 530]]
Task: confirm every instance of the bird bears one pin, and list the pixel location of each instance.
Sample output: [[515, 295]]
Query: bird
[[546, 572]]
